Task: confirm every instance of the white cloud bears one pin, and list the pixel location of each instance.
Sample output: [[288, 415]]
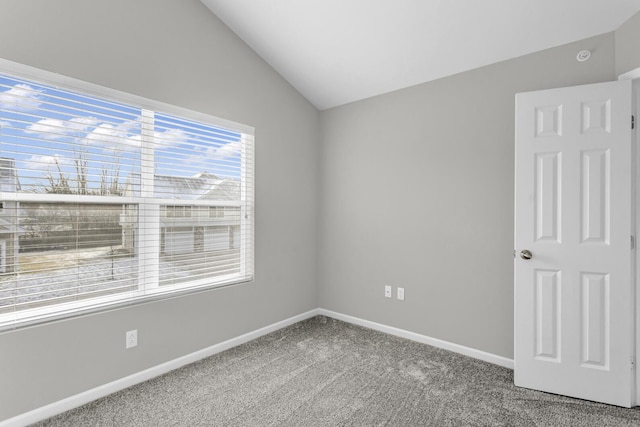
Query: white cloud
[[131, 126], [133, 141], [203, 157], [4, 124], [229, 149], [41, 162], [21, 97], [170, 138], [120, 137], [47, 129], [90, 129], [113, 137], [57, 129], [104, 134], [81, 124]]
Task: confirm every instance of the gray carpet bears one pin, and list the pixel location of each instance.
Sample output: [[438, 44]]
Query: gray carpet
[[323, 372]]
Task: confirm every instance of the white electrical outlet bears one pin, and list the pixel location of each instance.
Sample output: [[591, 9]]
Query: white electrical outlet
[[387, 291], [131, 339], [401, 294]]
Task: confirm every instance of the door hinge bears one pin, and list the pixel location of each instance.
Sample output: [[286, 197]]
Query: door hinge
[[633, 122], [633, 364], [633, 242]]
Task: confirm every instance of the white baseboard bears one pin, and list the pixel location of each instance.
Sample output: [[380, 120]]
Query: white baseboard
[[80, 399], [456, 348]]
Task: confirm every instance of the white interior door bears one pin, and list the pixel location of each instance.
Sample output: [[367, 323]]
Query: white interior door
[[573, 202]]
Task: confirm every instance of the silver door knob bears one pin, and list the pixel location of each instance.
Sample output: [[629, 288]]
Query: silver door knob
[[525, 254]]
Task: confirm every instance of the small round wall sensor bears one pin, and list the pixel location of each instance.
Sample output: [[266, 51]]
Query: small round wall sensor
[[583, 55]]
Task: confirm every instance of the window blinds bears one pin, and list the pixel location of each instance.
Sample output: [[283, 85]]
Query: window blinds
[[104, 202]]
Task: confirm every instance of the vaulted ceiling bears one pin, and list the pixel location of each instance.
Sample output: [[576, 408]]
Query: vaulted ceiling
[[339, 51]]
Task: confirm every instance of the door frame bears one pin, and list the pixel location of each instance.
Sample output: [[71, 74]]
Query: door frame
[[635, 76]]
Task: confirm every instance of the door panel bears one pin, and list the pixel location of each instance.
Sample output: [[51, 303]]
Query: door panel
[[547, 315], [595, 205], [547, 190], [573, 311], [595, 325]]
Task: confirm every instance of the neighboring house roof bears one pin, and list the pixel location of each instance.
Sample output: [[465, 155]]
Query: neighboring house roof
[[8, 176], [203, 186]]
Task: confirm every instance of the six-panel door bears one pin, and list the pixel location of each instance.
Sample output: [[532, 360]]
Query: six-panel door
[[573, 300]]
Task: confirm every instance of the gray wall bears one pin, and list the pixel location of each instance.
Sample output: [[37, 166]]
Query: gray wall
[[628, 45], [175, 52], [417, 191]]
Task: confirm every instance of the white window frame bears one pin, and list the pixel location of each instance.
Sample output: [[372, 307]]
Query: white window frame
[[148, 238]]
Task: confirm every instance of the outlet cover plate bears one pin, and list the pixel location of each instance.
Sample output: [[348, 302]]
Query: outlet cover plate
[[387, 291], [131, 339]]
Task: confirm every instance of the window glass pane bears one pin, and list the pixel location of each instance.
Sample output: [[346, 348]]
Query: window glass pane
[[199, 246], [103, 202], [202, 164], [60, 252], [192, 159], [61, 142]]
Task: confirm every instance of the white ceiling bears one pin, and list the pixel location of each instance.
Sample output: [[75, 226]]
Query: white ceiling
[[338, 51]]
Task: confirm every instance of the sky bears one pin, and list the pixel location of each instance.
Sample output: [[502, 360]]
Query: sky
[[50, 132]]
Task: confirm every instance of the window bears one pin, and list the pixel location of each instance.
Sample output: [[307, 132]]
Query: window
[[216, 212], [108, 198], [178, 212]]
